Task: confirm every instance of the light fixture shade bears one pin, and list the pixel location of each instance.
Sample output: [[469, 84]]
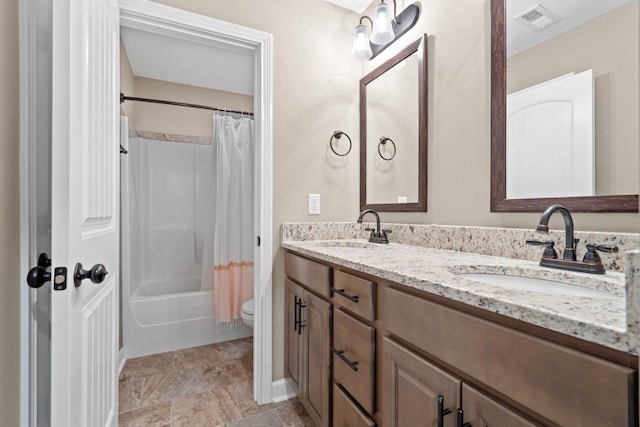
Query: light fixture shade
[[382, 31], [361, 47]]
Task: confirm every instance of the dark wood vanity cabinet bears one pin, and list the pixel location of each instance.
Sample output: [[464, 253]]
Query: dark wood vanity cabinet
[[550, 383], [308, 336], [365, 353]]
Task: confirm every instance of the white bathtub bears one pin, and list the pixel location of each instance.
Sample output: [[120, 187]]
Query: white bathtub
[[160, 322], [164, 306]]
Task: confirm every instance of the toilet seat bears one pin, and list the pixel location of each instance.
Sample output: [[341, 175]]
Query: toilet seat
[[247, 312], [248, 307]]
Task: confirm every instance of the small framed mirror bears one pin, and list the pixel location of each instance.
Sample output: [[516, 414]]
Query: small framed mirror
[[393, 133], [564, 106]]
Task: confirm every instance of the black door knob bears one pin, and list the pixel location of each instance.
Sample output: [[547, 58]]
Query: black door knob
[[37, 277], [96, 274]]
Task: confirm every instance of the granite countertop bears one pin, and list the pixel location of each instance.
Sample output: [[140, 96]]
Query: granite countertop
[[601, 319]]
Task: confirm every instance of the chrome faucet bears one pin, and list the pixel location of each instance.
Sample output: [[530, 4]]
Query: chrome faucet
[[377, 235], [591, 263]]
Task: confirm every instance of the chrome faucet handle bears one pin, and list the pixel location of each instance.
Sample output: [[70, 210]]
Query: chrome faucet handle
[[386, 231]]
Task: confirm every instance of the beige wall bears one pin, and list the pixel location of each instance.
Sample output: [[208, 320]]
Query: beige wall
[[127, 84], [9, 217], [160, 118], [608, 45], [181, 120], [315, 93]]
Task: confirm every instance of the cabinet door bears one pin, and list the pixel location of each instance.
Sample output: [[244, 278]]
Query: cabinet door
[[346, 413], [316, 331], [293, 334], [411, 388], [481, 411]]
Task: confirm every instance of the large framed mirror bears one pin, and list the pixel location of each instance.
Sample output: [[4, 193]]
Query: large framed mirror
[[393, 133], [587, 166]]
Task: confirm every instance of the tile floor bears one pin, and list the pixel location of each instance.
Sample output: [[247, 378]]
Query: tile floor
[[200, 387]]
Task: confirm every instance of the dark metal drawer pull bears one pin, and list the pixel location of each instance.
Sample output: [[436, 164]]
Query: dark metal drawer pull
[[340, 354], [353, 298], [442, 411]]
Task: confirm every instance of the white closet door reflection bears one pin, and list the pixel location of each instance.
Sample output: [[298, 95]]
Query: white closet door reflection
[[550, 139]]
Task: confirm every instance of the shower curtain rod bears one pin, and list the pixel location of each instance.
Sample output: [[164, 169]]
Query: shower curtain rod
[[123, 98]]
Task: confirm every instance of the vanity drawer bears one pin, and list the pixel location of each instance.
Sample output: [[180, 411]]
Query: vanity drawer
[[311, 274], [564, 386], [354, 294], [346, 413], [354, 358]]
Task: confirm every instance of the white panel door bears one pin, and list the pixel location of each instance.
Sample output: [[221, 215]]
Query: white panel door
[[85, 211], [550, 139]]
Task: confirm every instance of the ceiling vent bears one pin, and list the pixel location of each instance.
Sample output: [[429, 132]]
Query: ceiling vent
[[537, 18]]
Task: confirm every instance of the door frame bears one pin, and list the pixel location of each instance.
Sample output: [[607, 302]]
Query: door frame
[[35, 123], [177, 23], [189, 26]]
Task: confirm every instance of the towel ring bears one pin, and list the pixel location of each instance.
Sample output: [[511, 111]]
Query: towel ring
[[383, 141], [337, 135]]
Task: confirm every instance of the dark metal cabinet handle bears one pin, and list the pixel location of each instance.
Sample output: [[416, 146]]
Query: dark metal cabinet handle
[[296, 321], [96, 274], [460, 420], [300, 324], [340, 354], [442, 411], [353, 298]]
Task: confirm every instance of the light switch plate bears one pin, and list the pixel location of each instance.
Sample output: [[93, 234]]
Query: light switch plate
[[314, 204]]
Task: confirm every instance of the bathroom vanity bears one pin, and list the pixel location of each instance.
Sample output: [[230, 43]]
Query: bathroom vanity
[[398, 335]]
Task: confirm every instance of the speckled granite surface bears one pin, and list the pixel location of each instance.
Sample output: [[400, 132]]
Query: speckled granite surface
[[503, 242], [612, 319]]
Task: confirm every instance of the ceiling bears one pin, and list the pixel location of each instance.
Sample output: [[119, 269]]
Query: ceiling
[[211, 66], [355, 5], [218, 67], [571, 12]]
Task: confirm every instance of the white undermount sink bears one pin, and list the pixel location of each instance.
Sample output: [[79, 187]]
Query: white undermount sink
[[532, 284]]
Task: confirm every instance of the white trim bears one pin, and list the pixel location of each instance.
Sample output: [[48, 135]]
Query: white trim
[[27, 29], [34, 124], [169, 21], [121, 360], [282, 390]]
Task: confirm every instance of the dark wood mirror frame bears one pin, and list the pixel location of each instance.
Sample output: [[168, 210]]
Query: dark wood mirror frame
[[499, 202], [419, 46]]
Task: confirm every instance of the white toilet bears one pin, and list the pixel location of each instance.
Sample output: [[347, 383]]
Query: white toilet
[[247, 313]]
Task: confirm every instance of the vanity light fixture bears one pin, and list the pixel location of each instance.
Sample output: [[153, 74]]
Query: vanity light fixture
[[386, 29]]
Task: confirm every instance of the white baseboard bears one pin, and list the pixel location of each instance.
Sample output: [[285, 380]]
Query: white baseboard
[[282, 390], [122, 361]]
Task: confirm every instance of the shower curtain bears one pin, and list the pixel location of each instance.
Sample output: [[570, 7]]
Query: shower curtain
[[228, 253]]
